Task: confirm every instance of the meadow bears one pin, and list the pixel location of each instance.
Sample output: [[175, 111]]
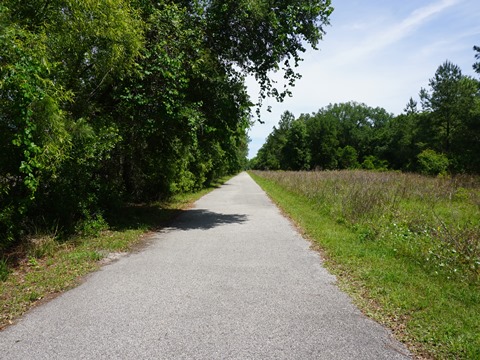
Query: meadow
[[405, 246]]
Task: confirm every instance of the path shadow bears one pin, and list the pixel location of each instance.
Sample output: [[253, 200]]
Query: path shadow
[[141, 216], [204, 220], [155, 218]]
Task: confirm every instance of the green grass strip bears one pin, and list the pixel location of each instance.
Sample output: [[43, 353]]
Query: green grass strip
[[436, 317]]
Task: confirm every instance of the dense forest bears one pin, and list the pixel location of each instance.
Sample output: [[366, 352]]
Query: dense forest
[[116, 101], [438, 136]]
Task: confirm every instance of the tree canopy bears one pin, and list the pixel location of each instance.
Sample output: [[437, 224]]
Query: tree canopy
[[441, 135], [114, 101]]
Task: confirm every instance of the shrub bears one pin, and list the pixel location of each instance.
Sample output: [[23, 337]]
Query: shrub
[[432, 163], [373, 163], [91, 225]]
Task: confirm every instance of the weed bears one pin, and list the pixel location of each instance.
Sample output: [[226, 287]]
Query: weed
[[91, 225], [33, 296], [4, 270], [80, 256], [40, 246], [365, 233], [32, 261]]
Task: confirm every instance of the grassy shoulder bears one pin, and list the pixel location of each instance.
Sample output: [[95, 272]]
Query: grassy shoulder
[[45, 266], [437, 314]]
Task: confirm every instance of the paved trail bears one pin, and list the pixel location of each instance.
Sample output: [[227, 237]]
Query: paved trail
[[230, 279]]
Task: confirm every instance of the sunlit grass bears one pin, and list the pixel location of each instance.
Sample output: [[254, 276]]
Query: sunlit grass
[[406, 246]]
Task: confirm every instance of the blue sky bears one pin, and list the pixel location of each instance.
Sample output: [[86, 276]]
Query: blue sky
[[380, 53]]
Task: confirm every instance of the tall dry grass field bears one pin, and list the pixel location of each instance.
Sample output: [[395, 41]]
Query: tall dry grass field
[[435, 220], [408, 244]]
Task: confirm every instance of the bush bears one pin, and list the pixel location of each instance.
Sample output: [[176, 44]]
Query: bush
[[91, 225], [432, 163], [371, 162]]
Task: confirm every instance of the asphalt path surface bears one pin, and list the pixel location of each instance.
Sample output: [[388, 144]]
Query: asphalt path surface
[[231, 278]]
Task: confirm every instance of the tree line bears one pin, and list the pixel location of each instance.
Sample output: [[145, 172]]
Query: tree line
[[114, 101], [440, 135]]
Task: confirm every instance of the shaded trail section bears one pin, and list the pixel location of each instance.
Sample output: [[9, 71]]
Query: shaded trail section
[[229, 279]]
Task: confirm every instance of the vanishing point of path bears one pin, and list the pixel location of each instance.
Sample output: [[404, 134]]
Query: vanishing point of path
[[230, 279]]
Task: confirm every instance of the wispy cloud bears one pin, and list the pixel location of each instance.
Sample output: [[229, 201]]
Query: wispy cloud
[[394, 33], [419, 16]]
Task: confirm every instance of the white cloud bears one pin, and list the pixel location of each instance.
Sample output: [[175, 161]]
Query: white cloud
[[388, 35]]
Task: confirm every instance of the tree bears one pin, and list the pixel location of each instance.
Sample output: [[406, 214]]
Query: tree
[[270, 156], [348, 158], [358, 125], [449, 104], [445, 101], [402, 140], [264, 36], [327, 139], [134, 100], [323, 140], [295, 152], [476, 66]]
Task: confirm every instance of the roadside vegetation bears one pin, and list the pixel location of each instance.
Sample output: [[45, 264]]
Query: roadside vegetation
[[104, 103], [406, 246], [48, 263]]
